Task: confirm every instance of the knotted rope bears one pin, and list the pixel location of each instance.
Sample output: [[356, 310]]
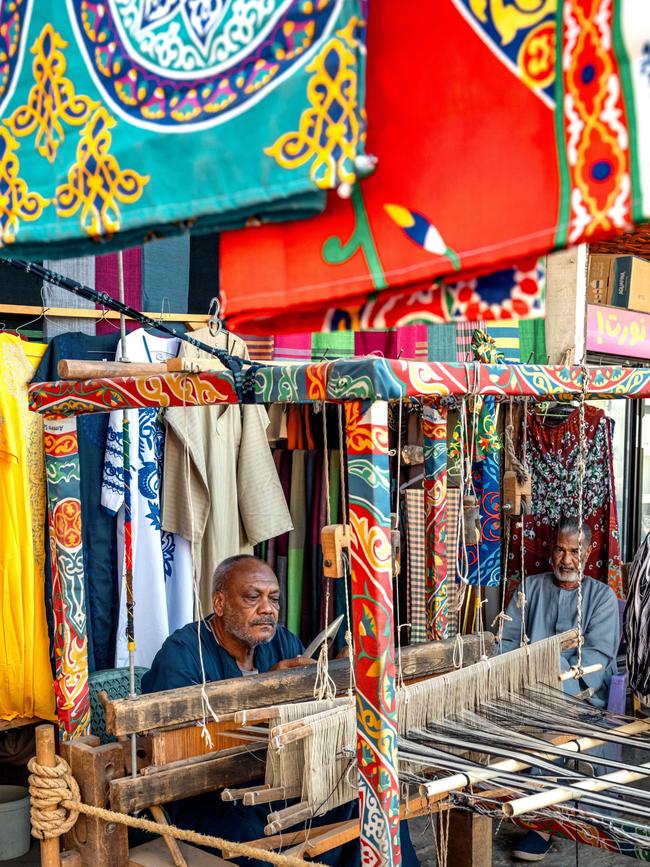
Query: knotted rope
[[56, 805]]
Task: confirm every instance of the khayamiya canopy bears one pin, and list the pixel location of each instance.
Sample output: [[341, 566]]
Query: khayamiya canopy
[[125, 117], [503, 130]]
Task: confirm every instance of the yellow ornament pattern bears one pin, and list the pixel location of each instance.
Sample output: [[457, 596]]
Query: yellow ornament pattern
[[52, 101], [331, 130], [17, 202], [96, 183]]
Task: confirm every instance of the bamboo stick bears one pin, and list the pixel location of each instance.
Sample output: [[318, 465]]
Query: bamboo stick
[[574, 672], [559, 795], [46, 756], [96, 313], [508, 766]]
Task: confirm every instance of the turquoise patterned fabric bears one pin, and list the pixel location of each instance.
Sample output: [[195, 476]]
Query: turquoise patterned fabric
[[148, 116]]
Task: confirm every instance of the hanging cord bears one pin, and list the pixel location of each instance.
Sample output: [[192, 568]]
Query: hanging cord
[[206, 707], [520, 466], [582, 445], [462, 560], [400, 685], [345, 518], [324, 686], [521, 595]]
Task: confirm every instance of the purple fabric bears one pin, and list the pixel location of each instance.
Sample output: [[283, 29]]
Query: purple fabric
[[107, 280]]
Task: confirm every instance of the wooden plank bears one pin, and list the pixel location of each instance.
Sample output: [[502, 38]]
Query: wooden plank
[[130, 794], [318, 843], [72, 369], [172, 845], [93, 313], [19, 722], [470, 839], [154, 854], [99, 843], [175, 706], [186, 742]]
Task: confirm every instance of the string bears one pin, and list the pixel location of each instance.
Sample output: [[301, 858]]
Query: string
[[581, 478], [394, 526], [521, 596], [324, 687], [206, 707], [345, 518]]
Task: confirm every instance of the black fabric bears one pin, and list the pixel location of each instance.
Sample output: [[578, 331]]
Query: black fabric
[[204, 272]]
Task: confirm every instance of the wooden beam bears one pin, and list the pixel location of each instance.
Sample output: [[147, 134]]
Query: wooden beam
[[470, 838], [184, 705], [130, 794], [72, 369], [94, 313]]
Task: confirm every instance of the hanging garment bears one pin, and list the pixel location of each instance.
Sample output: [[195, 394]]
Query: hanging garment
[[637, 622], [82, 270], [484, 559], [233, 498], [297, 539], [97, 526], [552, 455], [453, 586], [416, 524], [26, 686], [162, 562]]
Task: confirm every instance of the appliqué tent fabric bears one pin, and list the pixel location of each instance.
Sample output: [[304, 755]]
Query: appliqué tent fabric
[[140, 116], [502, 131]]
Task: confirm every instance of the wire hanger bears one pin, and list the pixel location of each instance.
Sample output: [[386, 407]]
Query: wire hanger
[[215, 324], [104, 318], [41, 315]]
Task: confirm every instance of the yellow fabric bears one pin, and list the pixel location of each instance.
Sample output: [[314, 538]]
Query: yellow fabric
[[26, 687]]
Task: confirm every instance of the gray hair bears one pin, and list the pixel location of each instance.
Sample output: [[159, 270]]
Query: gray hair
[[571, 526], [228, 565]]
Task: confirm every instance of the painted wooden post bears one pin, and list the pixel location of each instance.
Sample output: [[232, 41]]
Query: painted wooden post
[[373, 630], [434, 429], [68, 591]]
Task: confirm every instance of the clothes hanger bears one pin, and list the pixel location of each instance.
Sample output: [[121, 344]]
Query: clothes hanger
[[104, 318], [411, 482], [41, 315], [215, 323]]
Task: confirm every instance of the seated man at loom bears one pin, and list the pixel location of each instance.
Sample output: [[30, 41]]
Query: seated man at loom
[[551, 608], [241, 637]]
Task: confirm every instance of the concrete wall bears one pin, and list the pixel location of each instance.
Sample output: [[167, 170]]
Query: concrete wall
[[566, 281]]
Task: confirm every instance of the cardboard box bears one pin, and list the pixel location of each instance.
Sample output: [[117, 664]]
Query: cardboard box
[[599, 283], [630, 283]]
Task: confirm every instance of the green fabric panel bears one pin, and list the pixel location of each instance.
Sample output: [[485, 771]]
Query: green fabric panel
[[335, 344], [442, 342], [296, 556], [532, 341], [121, 120]]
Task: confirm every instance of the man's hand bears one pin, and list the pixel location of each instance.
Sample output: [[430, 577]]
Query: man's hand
[[296, 662]]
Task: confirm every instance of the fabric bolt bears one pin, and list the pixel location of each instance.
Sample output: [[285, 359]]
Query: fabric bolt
[[532, 341], [464, 334], [107, 280], [98, 527], [166, 275], [416, 525], [507, 339], [297, 539], [293, 347], [552, 453], [204, 272], [442, 342], [20, 287], [379, 342], [162, 562], [328, 345], [235, 498], [83, 271], [453, 515], [26, 686], [551, 609], [485, 558], [259, 348]]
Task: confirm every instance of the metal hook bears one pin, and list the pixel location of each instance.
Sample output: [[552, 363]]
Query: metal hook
[[215, 325]]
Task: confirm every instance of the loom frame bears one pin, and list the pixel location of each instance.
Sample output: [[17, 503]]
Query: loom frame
[[364, 387]]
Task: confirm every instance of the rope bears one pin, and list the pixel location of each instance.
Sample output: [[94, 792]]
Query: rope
[[521, 596], [582, 445], [400, 685], [520, 467], [324, 686], [56, 804], [345, 519]]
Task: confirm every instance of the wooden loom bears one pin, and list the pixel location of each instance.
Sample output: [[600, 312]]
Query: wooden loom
[[364, 386]]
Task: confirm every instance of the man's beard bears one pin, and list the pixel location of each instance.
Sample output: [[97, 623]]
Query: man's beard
[[234, 626], [566, 577]]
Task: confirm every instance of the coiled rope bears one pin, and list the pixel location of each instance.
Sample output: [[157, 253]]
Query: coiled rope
[[56, 804]]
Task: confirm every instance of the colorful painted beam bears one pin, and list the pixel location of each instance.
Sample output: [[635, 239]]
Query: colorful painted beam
[[344, 380], [434, 431], [373, 628], [68, 587]]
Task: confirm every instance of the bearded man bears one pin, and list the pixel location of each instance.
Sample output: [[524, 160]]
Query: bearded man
[[551, 608]]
